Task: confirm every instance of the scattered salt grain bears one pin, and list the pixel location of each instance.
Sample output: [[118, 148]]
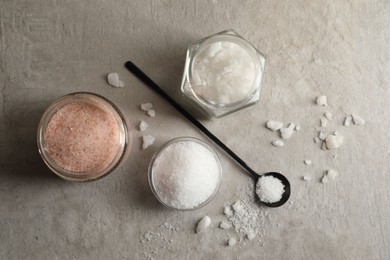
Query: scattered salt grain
[[334, 141], [228, 211], [274, 125], [307, 162], [146, 106], [269, 189], [324, 122], [332, 174], [287, 132], [251, 235], [322, 135], [347, 121], [203, 224], [237, 207], [324, 179], [232, 241], [113, 80], [328, 115], [185, 174], [357, 120], [148, 140], [152, 113], [143, 125], [322, 101], [278, 143], [298, 127], [224, 225], [306, 178]]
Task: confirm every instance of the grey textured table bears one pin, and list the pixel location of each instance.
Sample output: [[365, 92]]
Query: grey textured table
[[49, 48]]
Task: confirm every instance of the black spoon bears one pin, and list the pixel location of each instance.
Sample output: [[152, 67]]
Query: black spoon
[[149, 82]]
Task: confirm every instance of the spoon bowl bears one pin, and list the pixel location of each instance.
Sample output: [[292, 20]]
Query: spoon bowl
[[149, 82]]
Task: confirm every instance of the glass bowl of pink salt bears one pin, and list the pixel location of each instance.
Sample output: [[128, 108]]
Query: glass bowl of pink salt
[[185, 174], [83, 137]]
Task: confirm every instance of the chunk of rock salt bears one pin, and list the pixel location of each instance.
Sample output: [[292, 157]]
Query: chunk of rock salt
[[232, 241], [322, 101], [306, 178], [228, 211], [224, 225], [278, 143], [143, 125], [274, 125], [328, 115], [203, 224], [332, 174], [287, 132], [307, 162], [237, 207], [151, 113], [113, 80], [324, 122], [146, 106], [347, 121], [357, 120], [148, 140], [334, 141]]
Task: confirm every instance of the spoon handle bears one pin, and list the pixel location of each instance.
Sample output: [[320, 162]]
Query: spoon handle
[[149, 82]]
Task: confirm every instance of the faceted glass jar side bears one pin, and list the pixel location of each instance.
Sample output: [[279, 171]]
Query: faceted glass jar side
[[222, 95]]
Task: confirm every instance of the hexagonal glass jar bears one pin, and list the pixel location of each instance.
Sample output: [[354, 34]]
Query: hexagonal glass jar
[[223, 73]]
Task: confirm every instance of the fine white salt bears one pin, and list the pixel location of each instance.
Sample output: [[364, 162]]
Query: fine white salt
[[185, 174], [148, 140], [203, 224], [269, 189]]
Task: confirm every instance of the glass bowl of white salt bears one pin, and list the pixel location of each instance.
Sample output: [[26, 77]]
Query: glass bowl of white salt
[[185, 174]]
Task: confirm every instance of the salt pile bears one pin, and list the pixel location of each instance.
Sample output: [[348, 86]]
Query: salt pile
[[185, 174], [269, 189]]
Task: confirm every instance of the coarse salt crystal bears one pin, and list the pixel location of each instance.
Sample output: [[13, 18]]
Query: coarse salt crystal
[[347, 121], [328, 115], [307, 162], [334, 141], [203, 224], [146, 106], [322, 135], [228, 211], [298, 127], [148, 140], [357, 120], [324, 122], [287, 132], [332, 174], [274, 125], [232, 241], [113, 80], [324, 179], [152, 113], [251, 235], [224, 225], [237, 207], [278, 143], [269, 189], [306, 178], [143, 125], [322, 101], [317, 140]]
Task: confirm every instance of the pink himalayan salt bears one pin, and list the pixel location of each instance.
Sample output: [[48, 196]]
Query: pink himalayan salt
[[82, 138]]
